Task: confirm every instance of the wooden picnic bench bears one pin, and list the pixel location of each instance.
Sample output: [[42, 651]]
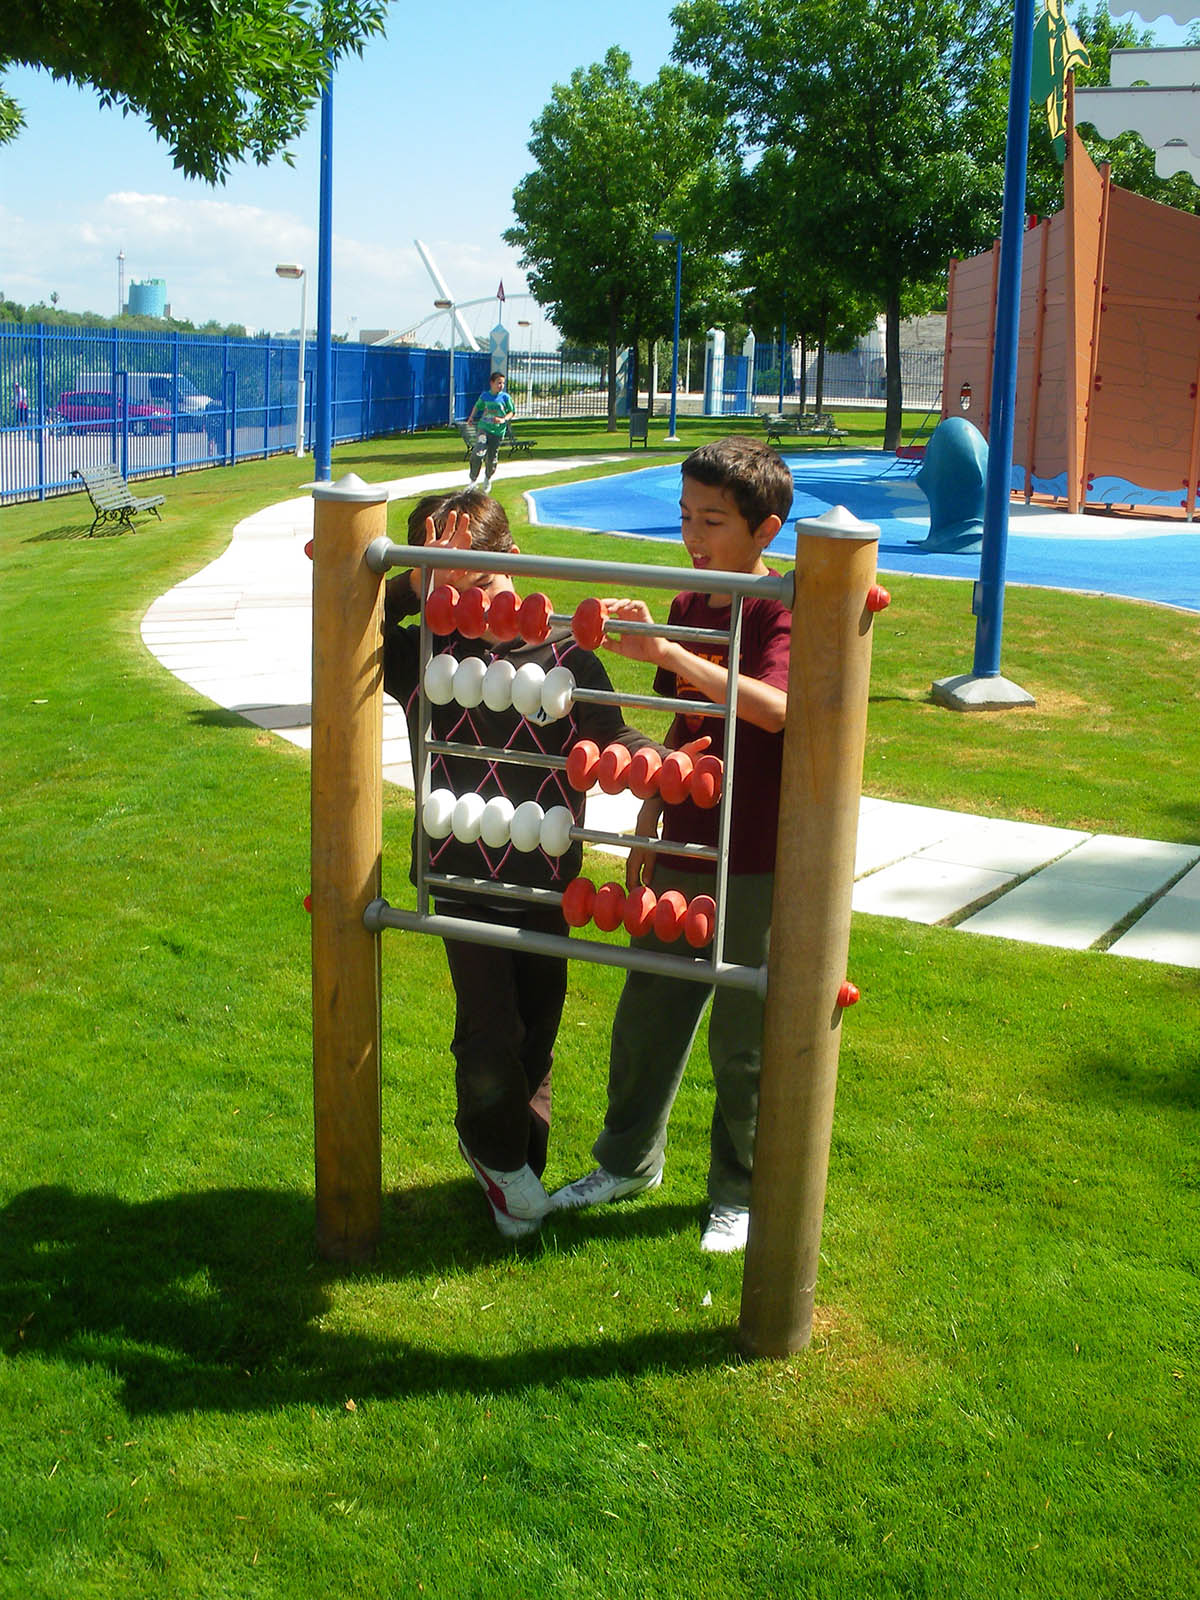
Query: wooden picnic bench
[[111, 497]]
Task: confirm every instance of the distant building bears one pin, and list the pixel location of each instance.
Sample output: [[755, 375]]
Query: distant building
[[148, 298]]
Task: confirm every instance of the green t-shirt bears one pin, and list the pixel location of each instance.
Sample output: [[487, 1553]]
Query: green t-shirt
[[492, 410]]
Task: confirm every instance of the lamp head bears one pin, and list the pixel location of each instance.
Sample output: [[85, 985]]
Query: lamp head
[[289, 269]]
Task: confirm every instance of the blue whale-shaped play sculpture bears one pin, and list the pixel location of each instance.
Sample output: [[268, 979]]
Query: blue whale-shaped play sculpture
[[952, 478]]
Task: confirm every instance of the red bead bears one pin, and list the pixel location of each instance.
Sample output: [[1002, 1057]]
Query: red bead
[[534, 617], [609, 908], [578, 899], [674, 777], [705, 785], [878, 599], [613, 770], [639, 911], [669, 915], [587, 624], [643, 773], [472, 616], [308, 903], [847, 994], [700, 921], [582, 762], [502, 616], [308, 549], [440, 609]]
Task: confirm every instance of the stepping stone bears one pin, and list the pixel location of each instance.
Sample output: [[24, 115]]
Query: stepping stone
[[926, 891], [1016, 847], [1075, 901], [1170, 929], [888, 831]]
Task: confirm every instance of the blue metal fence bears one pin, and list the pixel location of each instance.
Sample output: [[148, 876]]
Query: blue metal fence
[[163, 403]]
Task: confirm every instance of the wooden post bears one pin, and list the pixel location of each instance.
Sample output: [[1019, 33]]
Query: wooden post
[[810, 927], [347, 788]]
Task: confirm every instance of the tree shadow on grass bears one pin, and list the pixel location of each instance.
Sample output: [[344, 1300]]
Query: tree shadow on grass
[[214, 1300]]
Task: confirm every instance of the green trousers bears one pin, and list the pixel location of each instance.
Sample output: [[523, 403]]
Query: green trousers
[[653, 1030]]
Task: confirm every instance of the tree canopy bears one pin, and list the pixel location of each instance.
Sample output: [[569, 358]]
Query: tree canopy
[[217, 80], [886, 111], [617, 162]]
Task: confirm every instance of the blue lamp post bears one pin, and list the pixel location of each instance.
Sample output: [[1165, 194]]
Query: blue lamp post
[[671, 238]]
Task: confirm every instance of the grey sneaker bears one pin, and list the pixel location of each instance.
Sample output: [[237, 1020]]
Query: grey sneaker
[[726, 1229], [600, 1186], [517, 1199]]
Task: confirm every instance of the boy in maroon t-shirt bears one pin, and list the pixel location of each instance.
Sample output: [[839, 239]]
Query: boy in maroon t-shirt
[[736, 494]]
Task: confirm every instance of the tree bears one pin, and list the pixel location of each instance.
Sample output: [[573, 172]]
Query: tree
[[217, 80], [617, 162], [871, 100]]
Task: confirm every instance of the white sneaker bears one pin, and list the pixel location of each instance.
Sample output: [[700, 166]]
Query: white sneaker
[[601, 1186], [726, 1229], [487, 486], [517, 1199]]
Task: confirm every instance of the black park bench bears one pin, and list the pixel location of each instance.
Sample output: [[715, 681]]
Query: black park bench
[[111, 497]]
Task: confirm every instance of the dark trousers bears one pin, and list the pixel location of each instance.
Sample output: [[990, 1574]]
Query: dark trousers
[[508, 1004]]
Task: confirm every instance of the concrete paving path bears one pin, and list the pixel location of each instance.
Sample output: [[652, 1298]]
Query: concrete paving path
[[240, 633]]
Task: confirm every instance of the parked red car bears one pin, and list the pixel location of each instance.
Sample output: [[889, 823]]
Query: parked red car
[[95, 410]]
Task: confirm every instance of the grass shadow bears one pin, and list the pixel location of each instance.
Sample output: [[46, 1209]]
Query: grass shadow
[[214, 1300], [71, 530]]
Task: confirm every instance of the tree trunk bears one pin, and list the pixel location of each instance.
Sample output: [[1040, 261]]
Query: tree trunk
[[802, 386], [893, 421], [612, 369], [635, 374], [819, 397]]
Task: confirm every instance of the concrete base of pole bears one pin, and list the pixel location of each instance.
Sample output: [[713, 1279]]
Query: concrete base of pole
[[672, 438], [966, 693]]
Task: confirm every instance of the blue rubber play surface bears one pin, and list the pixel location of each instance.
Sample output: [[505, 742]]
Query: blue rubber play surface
[[1119, 561]]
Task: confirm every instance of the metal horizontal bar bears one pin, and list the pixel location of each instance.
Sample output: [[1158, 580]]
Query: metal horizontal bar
[[379, 915], [383, 554]]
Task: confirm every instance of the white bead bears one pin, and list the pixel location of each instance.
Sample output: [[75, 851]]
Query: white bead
[[495, 822], [468, 814], [439, 679], [526, 827], [555, 838], [497, 685], [558, 691], [468, 681], [437, 814], [527, 691]]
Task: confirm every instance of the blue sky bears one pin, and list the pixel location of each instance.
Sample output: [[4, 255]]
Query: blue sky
[[430, 138]]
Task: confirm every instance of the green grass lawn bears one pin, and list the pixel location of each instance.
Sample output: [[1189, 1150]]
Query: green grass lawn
[[1001, 1395]]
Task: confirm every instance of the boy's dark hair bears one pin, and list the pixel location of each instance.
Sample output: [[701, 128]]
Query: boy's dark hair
[[755, 475], [489, 520], [495, 375]]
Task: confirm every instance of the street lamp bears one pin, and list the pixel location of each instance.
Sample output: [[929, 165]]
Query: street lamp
[[670, 238], [448, 305], [290, 270], [528, 366]]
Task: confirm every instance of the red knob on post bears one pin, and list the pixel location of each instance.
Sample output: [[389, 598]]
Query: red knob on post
[[878, 599], [308, 549], [700, 921], [308, 903], [441, 608], [613, 769], [587, 624], [609, 908], [534, 617], [674, 777], [578, 899], [472, 617], [643, 773], [669, 915], [847, 995], [706, 780], [582, 762], [639, 911], [502, 616]]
